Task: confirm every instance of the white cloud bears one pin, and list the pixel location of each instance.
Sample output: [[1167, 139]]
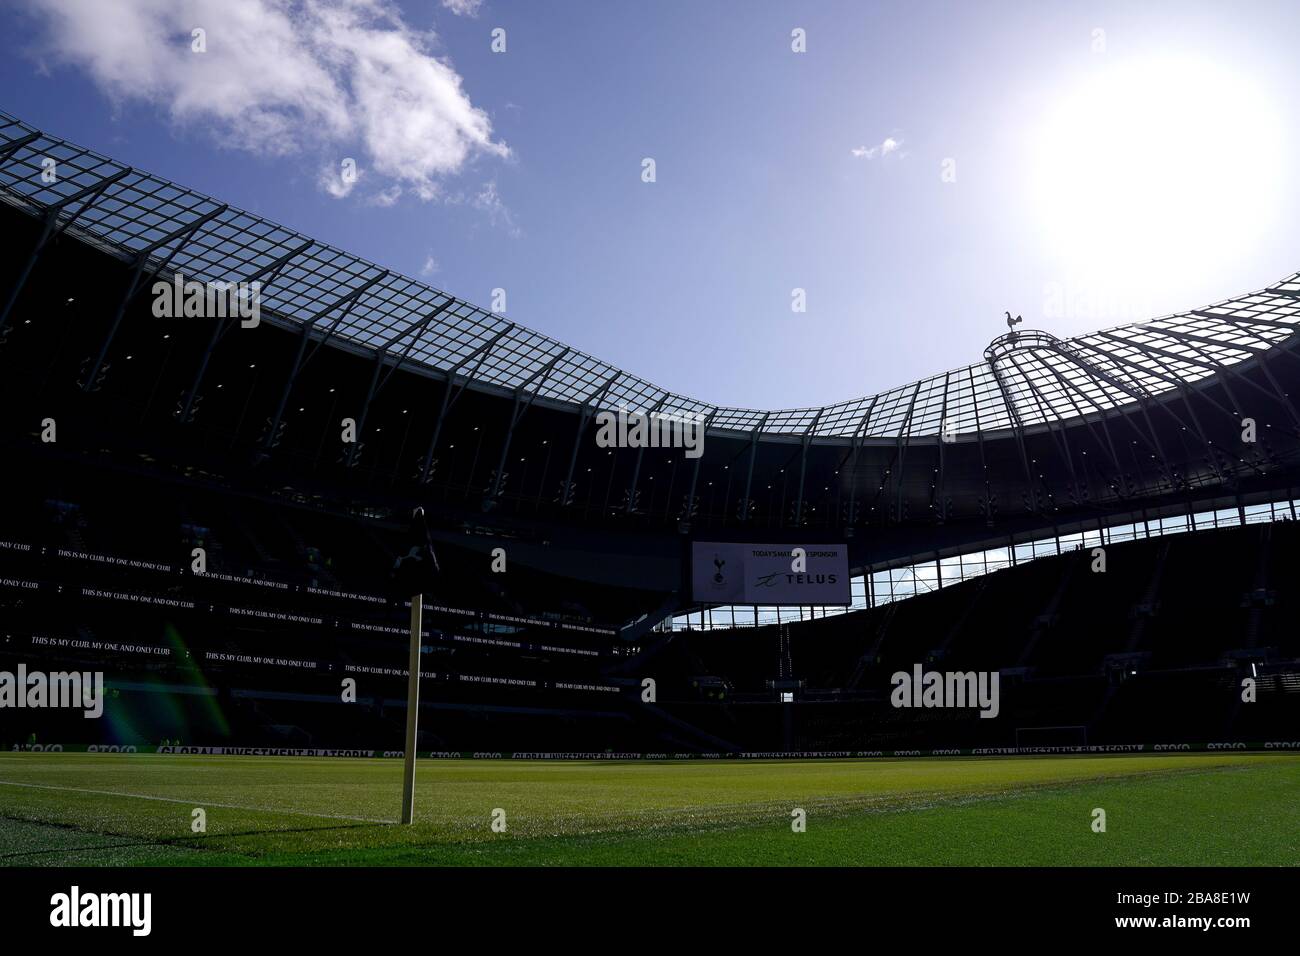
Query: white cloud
[[488, 200], [889, 145], [386, 197], [430, 266], [463, 8], [281, 77]]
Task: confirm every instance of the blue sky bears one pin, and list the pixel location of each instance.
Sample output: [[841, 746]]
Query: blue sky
[[775, 170]]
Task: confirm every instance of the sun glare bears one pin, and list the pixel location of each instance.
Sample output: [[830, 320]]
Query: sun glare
[[1154, 171]]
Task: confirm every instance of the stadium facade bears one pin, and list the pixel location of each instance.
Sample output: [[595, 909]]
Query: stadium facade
[[290, 446]]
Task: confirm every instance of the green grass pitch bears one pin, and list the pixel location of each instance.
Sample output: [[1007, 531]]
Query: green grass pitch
[[1175, 809]]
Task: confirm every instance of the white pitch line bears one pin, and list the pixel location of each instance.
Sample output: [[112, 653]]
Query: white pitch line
[[205, 803]]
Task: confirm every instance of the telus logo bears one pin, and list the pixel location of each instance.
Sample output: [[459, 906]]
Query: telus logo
[[103, 909]]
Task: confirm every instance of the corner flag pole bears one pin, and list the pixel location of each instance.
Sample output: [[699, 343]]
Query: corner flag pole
[[412, 711], [415, 574]]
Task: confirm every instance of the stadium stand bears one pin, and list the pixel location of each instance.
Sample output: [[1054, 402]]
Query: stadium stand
[[131, 440]]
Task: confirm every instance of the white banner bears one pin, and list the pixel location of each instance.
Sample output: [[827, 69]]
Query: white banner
[[728, 573]]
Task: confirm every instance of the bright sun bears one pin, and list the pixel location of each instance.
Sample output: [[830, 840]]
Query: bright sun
[[1153, 171]]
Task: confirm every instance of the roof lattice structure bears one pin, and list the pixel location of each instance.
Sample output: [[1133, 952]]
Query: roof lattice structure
[[1027, 378]]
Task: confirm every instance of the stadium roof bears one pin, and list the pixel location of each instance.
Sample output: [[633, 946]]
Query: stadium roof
[[1025, 379]]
